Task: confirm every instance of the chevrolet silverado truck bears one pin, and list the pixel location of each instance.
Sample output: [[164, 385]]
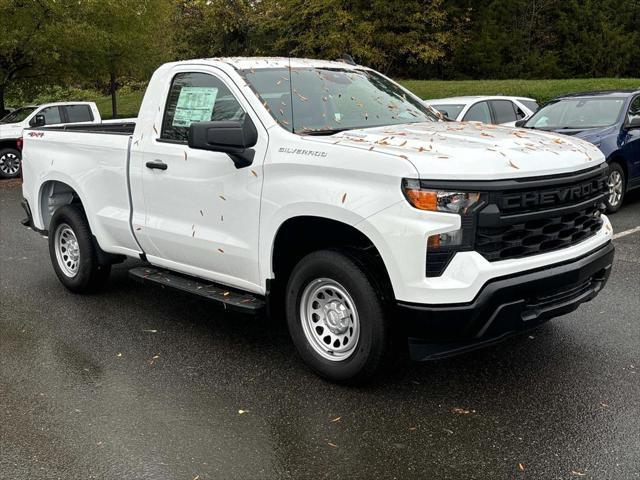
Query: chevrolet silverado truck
[[12, 125], [328, 192]]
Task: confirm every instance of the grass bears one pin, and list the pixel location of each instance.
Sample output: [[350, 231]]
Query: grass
[[128, 104], [541, 90]]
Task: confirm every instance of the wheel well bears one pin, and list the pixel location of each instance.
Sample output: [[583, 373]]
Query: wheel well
[[300, 236], [620, 161], [8, 144], [53, 195]]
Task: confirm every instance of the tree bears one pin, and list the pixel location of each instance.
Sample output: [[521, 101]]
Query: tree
[[211, 28], [29, 50], [388, 35], [119, 38]]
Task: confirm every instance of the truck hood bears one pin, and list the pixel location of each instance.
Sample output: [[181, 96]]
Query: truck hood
[[472, 150], [10, 130]]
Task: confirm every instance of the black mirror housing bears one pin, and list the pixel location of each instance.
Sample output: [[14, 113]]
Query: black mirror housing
[[633, 124], [39, 121], [520, 123], [231, 137]]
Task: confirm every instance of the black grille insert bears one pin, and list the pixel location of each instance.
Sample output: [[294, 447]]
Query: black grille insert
[[538, 236], [508, 229]]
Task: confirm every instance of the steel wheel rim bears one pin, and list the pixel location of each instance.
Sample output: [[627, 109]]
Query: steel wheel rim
[[329, 319], [67, 250], [615, 188], [9, 163]]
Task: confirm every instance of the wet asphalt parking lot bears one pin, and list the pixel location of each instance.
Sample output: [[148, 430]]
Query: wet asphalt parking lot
[[144, 383]]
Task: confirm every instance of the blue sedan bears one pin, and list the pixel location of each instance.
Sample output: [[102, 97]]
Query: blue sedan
[[611, 121]]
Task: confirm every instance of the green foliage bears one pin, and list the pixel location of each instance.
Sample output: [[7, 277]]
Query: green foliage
[[29, 48], [386, 35], [107, 44], [541, 90], [52, 93], [211, 28], [545, 39]]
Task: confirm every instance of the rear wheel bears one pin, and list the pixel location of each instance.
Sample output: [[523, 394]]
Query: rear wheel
[[337, 317], [617, 183], [73, 253], [10, 163]]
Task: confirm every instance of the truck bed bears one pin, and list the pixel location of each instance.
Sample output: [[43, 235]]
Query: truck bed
[[82, 158]]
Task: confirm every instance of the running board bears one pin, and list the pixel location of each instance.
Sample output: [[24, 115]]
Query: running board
[[229, 298]]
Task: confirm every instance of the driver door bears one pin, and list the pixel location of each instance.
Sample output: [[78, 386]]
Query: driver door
[[201, 212]]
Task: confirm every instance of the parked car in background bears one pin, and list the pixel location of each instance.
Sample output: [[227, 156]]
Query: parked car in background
[[611, 121], [11, 127], [496, 109]]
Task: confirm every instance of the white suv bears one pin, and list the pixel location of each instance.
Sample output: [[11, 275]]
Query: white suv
[[497, 109]]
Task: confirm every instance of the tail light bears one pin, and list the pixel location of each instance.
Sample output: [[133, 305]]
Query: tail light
[[19, 143]]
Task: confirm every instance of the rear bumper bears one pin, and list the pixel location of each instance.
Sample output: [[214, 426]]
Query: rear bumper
[[505, 305]]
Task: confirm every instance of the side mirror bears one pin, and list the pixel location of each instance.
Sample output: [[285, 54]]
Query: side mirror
[[633, 123], [230, 137], [520, 123], [39, 121]]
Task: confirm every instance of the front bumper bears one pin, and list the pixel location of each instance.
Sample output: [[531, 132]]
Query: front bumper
[[505, 305]]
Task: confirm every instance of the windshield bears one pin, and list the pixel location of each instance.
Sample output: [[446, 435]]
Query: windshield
[[327, 100], [449, 111], [577, 113], [18, 115]]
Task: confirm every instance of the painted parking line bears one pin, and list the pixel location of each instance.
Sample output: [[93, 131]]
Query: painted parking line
[[626, 232]]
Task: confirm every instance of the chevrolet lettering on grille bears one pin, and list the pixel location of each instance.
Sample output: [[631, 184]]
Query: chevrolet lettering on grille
[[556, 196]]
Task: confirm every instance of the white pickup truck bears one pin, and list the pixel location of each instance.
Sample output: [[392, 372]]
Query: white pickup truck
[[332, 191], [12, 125]]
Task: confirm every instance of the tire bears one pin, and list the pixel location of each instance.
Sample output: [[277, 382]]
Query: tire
[[353, 306], [617, 183], [10, 163], [73, 253]]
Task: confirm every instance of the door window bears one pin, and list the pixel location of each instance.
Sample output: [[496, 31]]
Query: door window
[[478, 113], [531, 105], [504, 111], [79, 113], [634, 111], [51, 115], [519, 112], [197, 97]]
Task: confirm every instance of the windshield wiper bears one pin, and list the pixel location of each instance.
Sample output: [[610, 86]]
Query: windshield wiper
[[325, 131]]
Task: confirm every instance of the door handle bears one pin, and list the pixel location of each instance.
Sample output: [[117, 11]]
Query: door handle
[[157, 164]]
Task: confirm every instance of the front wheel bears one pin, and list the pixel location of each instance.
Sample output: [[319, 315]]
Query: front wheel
[[10, 163], [337, 317], [616, 182], [73, 253]]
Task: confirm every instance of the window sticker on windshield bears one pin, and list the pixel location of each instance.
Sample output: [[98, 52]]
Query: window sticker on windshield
[[195, 104]]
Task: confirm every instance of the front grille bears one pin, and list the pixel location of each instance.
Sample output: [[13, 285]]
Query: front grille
[[519, 221], [517, 218], [537, 236]]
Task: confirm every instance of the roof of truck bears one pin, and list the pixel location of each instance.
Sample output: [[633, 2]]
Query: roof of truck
[[247, 63]]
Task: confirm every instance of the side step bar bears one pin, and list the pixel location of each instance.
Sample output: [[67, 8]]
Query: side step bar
[[229, 298]]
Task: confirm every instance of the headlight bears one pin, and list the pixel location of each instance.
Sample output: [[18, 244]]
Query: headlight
[[438, 200], [442, 247]]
